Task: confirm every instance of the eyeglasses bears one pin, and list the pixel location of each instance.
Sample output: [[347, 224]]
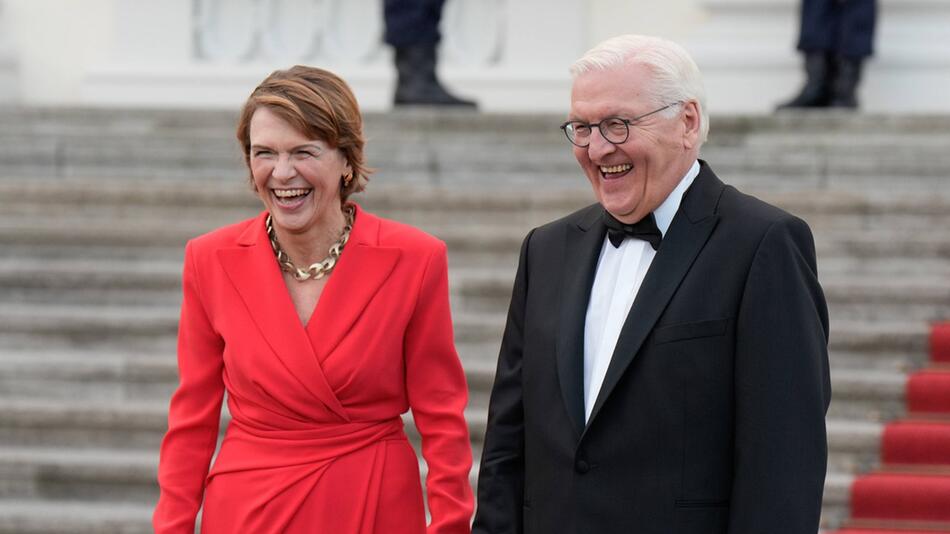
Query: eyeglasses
[[615, 130]]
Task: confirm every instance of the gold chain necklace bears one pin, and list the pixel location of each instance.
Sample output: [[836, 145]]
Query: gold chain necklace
[[321, 268]]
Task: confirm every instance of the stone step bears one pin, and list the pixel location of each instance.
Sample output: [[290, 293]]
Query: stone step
[[21, 516], [87, 375], [122, 377], [129, 283], [76, 424], [464, 241], [134, 431], [884, 346], [87, 325], [850, 297], [859, 394], [107, 326], [808, 149], [85, 121], [878, 341], [127, 477], [893, 267], [217, 204], [853, 446], [66, 514], [835, 507], [131, 275], [444, 148], [63, 250], [91, 323], [871, 395], [134, 327], [34, 516], [138, 425], [90, 274], [104, 475], [88, 477]]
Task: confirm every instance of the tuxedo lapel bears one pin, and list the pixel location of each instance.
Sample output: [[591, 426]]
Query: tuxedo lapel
[[363, 268], [257, 278], [583, 242], [688, 233]]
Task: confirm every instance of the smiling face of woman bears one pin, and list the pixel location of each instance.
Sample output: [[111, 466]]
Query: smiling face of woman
[[297, 178]]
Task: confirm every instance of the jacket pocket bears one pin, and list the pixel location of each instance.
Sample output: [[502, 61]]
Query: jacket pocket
[[707, 516], [694, 330], [701, 503]]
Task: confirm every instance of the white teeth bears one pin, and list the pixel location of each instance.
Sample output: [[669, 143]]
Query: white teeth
[[290, 193], [615, 168]]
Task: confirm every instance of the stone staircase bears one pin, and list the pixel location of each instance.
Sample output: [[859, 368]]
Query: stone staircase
[[95, 207]]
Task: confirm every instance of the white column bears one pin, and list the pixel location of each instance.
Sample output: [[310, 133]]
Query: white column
[[9, 82], [508, 54]]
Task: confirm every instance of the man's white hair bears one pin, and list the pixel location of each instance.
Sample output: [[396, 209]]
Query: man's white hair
[[676, 78]]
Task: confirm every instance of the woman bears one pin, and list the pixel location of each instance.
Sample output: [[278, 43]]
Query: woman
[[320, 361]]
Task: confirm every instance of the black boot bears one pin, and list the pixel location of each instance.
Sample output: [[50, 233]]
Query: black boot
[[845, 85], [417, 84], [817, 90]]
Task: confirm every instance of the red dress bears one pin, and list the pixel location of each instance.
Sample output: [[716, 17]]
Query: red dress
[[315, 443]]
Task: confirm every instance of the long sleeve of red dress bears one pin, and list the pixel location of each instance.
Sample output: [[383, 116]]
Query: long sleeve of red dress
[[434, 379], [194, 413]]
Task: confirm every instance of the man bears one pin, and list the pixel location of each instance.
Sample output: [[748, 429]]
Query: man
[[671, 381], [835, 37]]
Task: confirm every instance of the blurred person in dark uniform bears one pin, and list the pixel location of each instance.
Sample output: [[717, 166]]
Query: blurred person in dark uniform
[[835, 38], [412, 29]]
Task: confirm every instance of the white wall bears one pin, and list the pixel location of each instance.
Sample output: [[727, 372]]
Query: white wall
[[142, 52], [673, 19], [55, 43]]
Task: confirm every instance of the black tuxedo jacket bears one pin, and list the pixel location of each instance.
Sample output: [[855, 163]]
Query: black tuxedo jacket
[[711, 417]]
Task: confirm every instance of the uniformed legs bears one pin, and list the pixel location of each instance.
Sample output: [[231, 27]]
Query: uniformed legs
[[835, 38], [412, 29]]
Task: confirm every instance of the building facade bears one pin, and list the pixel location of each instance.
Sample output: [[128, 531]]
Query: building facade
[[511, 55]]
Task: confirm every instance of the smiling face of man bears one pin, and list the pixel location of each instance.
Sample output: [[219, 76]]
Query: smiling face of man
[[632, 178]]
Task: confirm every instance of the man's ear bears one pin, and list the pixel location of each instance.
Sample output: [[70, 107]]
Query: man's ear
[[691, 122]]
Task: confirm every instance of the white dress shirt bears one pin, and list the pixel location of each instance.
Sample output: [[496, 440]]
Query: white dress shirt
[[620, 271]]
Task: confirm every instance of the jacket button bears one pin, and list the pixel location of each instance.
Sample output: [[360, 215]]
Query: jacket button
[[582, 466]]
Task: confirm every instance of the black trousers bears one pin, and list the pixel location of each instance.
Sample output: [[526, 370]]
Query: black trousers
[[842, 27], [412, 22]]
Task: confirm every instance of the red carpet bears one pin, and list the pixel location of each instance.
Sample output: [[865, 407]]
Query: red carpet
[[913, 490], [916, 442], [928, 391], [940, 343], [892, 496]]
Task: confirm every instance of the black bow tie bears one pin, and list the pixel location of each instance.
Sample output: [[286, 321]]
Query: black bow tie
[[644, 229]]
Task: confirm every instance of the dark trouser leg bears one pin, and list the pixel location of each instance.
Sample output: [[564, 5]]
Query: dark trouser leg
[[856, 34], [855, 42], [816, 41], [820, 23], [412, 22], [412, 28]]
